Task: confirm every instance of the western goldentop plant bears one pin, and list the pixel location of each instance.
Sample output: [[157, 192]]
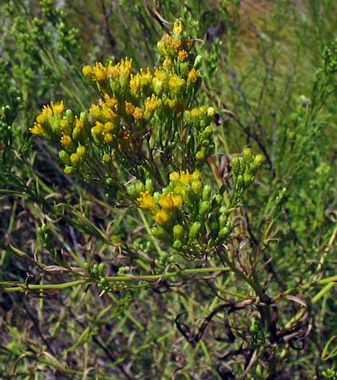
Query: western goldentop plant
[[147, 142], [184, 191]]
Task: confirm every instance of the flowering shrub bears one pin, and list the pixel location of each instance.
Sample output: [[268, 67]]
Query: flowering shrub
[[185, 227], [147, 143]]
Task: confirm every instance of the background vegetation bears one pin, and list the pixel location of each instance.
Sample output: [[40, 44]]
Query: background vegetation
[[269, 70]]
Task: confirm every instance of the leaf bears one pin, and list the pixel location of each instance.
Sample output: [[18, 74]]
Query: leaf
[[83, 338]]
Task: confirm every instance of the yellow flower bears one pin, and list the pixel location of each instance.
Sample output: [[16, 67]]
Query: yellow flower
[[166, 201], [110, 102], [108, 137], [195, 113], [87, 70], [161, 217], [66, 140], [167, 63], [125, 66], [79, 123], [182, 55], [193, 75], [108, 126], [177, 199], [146, 201], [175, 83], [95, 111], [151, 104], [99, 72], [129, 108], [138, 114], [37, 129], [176, 44], [42, 118], [174, 176], [177, 28]]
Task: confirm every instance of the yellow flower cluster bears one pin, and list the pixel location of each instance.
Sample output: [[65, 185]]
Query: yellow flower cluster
[[165, 206], [161, 205], [48, 120], [137, 126], [100, 73]]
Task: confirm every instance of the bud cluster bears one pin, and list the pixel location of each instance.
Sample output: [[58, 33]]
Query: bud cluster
[[187, 214]]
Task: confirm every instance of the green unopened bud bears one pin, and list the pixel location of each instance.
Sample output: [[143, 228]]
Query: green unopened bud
[[75, 159], [203, 207], [177, 244], [235, 163], [139, 187], [80, 151], [68, 169], [247, 154], [206, 192], [224, 232], [178, 231], [248, 179], [64, 157], [106, 158], [223, 210], [218, 199], [200, 156], [259, 159], [210, 111], [149, 185], [84, 116], [69, 116], [194, 230], [196, 186], [223, 220], [207, 132], [240, 181], [158, 232], [76, 133], [101, 268]]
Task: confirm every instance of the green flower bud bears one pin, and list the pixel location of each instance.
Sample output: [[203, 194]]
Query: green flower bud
[[75, 159], [64, 157], [223, 210], [101, 268], [178, 231], [177, 244], [106, 158], [235, 163], [139, 187], [149, 185], [84, 116], [240, 181], [69, 116], [247, 154], [196, 186], [68, 170], [86, 266], [158, 232], [218, 198], [248, 179], [224, 232], [203, 207], [76, 133], [194, 230], [223, 220], [80, 151], [259, 159], [200, 156], [206, 192]]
